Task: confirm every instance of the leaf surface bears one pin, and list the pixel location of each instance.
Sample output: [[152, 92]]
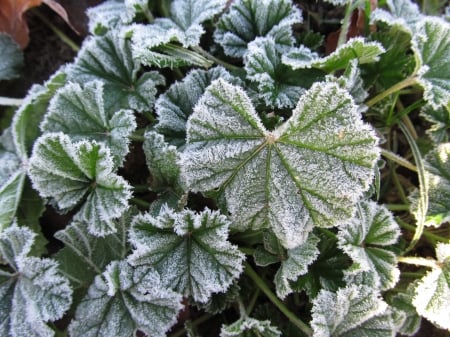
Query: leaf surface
[[249, 327], [440, 120], [12, 58]]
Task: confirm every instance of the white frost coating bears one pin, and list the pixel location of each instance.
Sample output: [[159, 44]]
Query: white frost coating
[[431, 46], [190, 251], [15, 243], [125, 299], [365, 238], [248, 19], [402, 13], [12, 57], [356, 311], [106, 15], [132, 8], [338, 2], [249, 327]]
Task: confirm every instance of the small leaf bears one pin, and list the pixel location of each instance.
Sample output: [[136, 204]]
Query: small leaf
[[190, 251], [221, 301], [431, 46], [80, 113], [105, 16], [75, 173], [248, 19], [249, 327], [432, 294], [351, 312], [404, 313], [124, 299], [108, 58], [402, 13], [365, 239], [12, 58], [440, 119], [309, 171]]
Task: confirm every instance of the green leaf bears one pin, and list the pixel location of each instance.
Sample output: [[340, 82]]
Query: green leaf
[[248, 19], [278, 85], [79, 173], [351, 312], [249, 327], [109, 59], [189, 250], [218, 302], [366, 238], [431, 46], [437, 177], [309, 171], [80, 114], [12, 58], [176, 105], [106, 16], [355, 48], [403, 14], [34, 293], [124, 299], [432, 294], [440, 122], [404, 313]]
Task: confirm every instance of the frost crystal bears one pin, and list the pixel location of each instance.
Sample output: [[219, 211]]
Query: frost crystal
[[249, 327]]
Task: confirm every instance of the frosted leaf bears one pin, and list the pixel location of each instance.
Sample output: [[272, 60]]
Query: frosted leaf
[[218, 302], [351, 312], [34, 293], [355, 48], [12, 58], [431, 46], [365, 239], [278, 85], [432, 294], [190, 251], [10, 196], [437, 177], [176, 105], [249, 327], [338, 2], [162, 161], [296, 264], [124, 299], [309, 171], [79, 173], [402, 13], [248, 19], [108, 58], [105, 16], [80, 113], [404, 314], [134, 8], [440, 122]]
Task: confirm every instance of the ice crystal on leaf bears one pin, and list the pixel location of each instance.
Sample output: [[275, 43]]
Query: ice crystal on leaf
[[402, 13], [249, 327], [12, 58], [79, 173], [34, 292], [309, 171], [124, 299], [248, 19], [190, 251]]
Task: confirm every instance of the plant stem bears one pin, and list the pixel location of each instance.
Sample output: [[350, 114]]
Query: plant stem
[[137, 138], [417, 261], [141, 188], [329, 233], [397, 159], [345, 24], [412, 275], [411, 80], [253, 300], [194, 323], [6, 101], [274, 299], [431, 236], [397, 207], [246, 251], [210, 57], [140, 202]]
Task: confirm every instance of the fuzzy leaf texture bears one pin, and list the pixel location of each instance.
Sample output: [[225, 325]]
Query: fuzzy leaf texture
[[108, 58], [440, 122], [309, 171], [34, 292], [402, 13], [365, 239], [432, 294], [12, 58], [249, 327], [81, 173], [80, 114], [248, 19], [124, 299], [355, 311], [431, 45], [105, 16], [190, 251], [405, 316]]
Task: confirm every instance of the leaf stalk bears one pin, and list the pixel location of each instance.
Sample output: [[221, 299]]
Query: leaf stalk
[[411, 80]]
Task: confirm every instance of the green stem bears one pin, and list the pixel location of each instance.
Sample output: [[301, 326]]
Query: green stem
[[253, 300], [140, 202], [345, 24], [397, 207], [329, 233], [137, 138], [411, 80], [149, 117], [417, 261], [6, 101], [431, 236], [274, 299], [194, 324], [246, 251], [214, 59], [67, 40], [141, 188], [397, 159], [412, 275], [399, 187]]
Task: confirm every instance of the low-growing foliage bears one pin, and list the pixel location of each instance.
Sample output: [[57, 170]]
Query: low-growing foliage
[[285, 191]]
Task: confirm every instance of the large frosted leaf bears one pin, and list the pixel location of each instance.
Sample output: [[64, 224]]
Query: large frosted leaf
[[402, 13], [124, 299], [105, 16], [176, 105], [79, 173], [248, 19], [249, 327], [440, 122], [35, 293], [355, 311], [12, 58], [432, 294], [309, 171], [278, 85], [355, 48], [365, 239], [108, 58], [431, 45], [190, 251], [80, 113], [404, 313]]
